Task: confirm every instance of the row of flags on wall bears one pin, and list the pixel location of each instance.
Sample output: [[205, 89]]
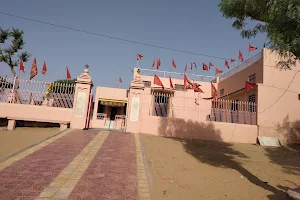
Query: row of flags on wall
[[205, 67], [34, 69]]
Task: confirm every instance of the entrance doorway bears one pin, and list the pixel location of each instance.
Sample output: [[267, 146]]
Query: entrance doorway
[[113, 113]]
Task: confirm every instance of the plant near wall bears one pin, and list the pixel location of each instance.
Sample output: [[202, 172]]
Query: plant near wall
[[279, 19], [11, 43]]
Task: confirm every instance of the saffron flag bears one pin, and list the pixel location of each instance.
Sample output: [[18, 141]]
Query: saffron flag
[[251, 48], [120, 80], [44, 70], [139, 56], [249, 85], [185, 68], [153, 63], [218, 71], [232, 60], [68, 73], [226, 64], [211, 65], [241, 58], [158, 63], [34, 70], [173, 63], [171, 84], [22, 67], [205, 67], [158, 82]]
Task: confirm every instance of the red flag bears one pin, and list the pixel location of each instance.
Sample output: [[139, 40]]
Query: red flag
[[153, 63], [249, 85], [157, 63], [218, 71], [232, 60], [120, 80], [251, 48], [226, 64], [185, 82], [158, 82], [34, 70], [68, 73], [173, 63], [211, 65], [22, 67], [44, 70], [197, 89], [139, 56], [214, 92], [185, 68], [171, 84], [241, 58], [205, 67]]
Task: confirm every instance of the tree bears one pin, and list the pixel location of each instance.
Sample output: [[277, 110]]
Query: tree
[[11, 42], [279, 19], [61, 86]]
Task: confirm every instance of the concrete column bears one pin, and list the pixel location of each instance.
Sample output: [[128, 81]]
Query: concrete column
[[11, 124], [84, 85], [134, 108]]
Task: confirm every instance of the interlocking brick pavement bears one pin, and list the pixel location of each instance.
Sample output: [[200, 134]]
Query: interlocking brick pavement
[[27, 177], [113, 172]]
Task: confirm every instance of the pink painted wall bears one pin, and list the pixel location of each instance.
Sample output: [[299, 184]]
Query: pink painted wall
[[193, 129], [237, 81], [35, 113], [278, 103]]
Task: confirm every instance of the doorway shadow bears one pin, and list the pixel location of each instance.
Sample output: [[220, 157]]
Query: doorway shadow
[[215, 153]]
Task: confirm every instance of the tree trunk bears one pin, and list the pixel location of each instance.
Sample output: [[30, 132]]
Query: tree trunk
[[12, 69]]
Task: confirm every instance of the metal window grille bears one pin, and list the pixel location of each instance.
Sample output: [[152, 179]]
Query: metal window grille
[[252, 100], [147, 84], [252, 78], [161, 104], [222, 92], [179, 87]]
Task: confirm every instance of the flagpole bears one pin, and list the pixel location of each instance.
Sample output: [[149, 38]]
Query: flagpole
[[137, 63]]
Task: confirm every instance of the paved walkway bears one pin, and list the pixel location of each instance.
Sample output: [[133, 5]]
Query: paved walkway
[[78, 165]]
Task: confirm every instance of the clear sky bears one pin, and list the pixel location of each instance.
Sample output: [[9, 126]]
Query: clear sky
[[196, 26]]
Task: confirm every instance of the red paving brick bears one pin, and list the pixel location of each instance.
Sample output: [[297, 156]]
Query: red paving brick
[[26, 178], [112, 173]]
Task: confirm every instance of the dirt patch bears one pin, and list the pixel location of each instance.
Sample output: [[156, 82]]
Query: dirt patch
[[193, 169], [16, 140]]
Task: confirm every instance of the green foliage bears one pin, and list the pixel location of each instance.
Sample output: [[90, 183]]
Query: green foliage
[[279, 19], [11, 42], [62, 86], [66, 81]]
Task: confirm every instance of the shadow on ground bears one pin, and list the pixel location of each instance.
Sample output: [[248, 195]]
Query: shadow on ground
[[285, 156], [223, 156]]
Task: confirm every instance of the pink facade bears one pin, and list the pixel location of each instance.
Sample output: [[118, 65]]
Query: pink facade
[[269, 109]]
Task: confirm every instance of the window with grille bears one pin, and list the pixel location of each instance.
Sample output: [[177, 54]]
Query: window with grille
[[161, 104], [252, 100], [252, 78], [147, 84], [222, 92], [234, 105], [179, 87]]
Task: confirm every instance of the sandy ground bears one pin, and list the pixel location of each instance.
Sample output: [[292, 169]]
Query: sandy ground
[[16, 140], [190, 169]]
